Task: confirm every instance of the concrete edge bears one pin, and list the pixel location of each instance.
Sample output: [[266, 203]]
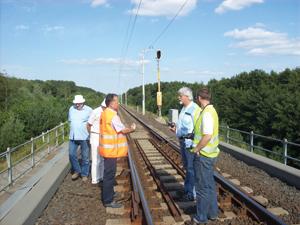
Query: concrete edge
[[288, 174], [31, 206]]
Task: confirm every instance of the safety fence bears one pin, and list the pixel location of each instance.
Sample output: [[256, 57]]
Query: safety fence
[[280, 148], [16, 161]]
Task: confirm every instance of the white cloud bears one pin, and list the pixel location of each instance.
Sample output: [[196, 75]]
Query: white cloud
[[212, 73], [54, 28], [96, 3], [164, 69], [260, 25], [264, 43], [235, 5], [155, 20], [22, 27], [241, 65], [192, 72], [164, 7], [104, 62]]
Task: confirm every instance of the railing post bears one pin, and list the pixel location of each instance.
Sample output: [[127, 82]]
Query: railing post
[[284, 155], [137, 108], [32, 153], [48, 137], [8, 160], [227, 134], [251, 141], [43, 137], [56, 135], [63, 132]]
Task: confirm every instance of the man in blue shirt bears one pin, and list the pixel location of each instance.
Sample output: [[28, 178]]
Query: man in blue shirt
[[78, 117], [185, 125]]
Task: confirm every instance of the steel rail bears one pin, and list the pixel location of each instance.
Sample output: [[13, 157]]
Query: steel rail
[[242, 197], [169, 201]]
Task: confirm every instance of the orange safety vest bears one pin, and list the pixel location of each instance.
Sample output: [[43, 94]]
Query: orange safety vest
[[112, 144]]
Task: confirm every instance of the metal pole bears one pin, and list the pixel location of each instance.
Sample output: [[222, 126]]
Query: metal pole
[[8, 160], [143, 85], [159, 109], [32, 153], [63, 132], [56, 134], [251, 141], [48, 139], [227, 134], [284, 151]]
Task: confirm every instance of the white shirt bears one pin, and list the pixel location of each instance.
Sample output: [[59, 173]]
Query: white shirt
[[94, 120], [116, 123], [207, 123]]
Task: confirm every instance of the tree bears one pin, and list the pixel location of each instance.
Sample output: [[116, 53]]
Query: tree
[[11, 133]]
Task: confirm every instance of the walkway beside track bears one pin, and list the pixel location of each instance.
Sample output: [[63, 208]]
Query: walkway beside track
[[26, 200]]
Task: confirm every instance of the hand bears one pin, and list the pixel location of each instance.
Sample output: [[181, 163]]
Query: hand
[[133, 126], [173, 128]]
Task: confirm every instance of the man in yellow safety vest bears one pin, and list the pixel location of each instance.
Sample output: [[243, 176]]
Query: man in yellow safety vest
[[205, 148]]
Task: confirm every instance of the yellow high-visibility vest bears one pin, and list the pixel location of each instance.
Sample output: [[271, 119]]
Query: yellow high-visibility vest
[[211, 150]]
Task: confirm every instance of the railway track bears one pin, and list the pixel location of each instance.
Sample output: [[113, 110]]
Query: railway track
[[158, 170]]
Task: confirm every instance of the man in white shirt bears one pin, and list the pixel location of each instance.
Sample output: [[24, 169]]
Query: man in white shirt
[[97, 168]]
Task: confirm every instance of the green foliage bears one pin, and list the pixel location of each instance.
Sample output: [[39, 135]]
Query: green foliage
[[30, 107], [267, 104], [12, 132]]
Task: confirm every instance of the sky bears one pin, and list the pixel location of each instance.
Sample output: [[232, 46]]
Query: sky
[[101, 44]]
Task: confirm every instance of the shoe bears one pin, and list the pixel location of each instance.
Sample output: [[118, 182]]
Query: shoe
[[212, 219], [96, 185], [193, 222], [182, 192], [187, 198], [84, 179], [113, 205], [116, 195], [75, 176]]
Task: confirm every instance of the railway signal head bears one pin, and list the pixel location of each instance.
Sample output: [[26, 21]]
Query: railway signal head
[[158, 54]]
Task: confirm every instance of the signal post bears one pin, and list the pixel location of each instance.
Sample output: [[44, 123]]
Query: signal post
[[159, 94]]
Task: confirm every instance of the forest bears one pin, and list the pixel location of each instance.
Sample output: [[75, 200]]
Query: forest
[[30, 107], [265, 103]]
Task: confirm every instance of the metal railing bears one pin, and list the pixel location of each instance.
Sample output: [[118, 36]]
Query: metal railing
[[28, 154], [252, 135]]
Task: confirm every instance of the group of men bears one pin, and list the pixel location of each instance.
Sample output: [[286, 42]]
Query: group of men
[[102, 130], [197, 130]]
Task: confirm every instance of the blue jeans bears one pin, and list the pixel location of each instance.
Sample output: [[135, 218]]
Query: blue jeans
[[206, 193], [85, 156], [187, 162]]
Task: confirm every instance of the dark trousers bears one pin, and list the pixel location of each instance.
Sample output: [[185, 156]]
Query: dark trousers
[[110, 169]]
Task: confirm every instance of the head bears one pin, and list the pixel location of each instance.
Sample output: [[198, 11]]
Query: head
[[112, 101], [79, 101], [103, 105], [203, 95], [185, 95]]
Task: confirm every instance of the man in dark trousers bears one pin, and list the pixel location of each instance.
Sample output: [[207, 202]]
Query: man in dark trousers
[[112, 145]]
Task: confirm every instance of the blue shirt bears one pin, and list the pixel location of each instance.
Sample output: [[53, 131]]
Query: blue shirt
[[78, 120], [185, 122]]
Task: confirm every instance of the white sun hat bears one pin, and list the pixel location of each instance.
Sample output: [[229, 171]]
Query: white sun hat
[[103, 103], [78, 99]]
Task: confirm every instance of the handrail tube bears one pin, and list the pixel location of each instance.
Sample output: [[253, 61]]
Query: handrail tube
[[8, 153]]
